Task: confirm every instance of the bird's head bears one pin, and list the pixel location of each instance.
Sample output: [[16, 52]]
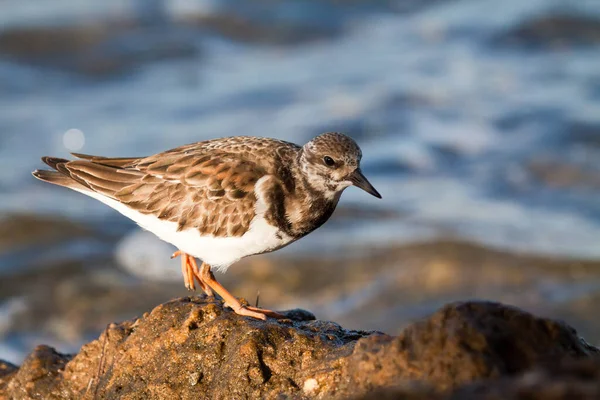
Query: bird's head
[[331, 163]]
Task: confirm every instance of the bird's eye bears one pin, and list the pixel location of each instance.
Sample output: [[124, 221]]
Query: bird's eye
[[328, 161]]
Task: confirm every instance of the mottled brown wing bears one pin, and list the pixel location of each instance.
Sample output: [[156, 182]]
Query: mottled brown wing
[[213, 193], [113, 162]]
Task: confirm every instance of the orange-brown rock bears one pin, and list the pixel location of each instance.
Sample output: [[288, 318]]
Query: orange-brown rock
[[193, 348]]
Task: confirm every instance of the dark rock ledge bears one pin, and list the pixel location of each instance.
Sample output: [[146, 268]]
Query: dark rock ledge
[[193, 348]]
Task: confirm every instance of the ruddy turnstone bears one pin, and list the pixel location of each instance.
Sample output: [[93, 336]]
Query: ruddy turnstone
[[223, 199]]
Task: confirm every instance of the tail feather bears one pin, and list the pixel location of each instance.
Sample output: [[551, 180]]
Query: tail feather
[[89, 175], [58, 178], [62, 168], [53, 162], [61, 176]]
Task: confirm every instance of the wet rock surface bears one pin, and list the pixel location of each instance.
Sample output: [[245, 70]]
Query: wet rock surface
[[97, 50], [556, 174], [554, 32], [194, 348], [569, 379], [572, 379], [7, 370]]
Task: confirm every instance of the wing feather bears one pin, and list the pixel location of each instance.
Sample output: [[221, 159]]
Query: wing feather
[[208, 186]]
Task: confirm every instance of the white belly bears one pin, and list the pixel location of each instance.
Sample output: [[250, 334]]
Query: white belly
[[218, 252]]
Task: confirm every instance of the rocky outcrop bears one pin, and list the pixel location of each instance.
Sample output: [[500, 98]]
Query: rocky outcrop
[[194, 348], [573, 379]]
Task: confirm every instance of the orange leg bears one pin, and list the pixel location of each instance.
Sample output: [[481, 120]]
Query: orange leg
[[236, 306], [193, 266], [191, 273]]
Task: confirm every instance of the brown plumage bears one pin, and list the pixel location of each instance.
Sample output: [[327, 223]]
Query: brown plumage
[[185, 185], [224, 199]]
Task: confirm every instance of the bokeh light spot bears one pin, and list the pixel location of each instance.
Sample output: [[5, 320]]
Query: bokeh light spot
[[74, 139]]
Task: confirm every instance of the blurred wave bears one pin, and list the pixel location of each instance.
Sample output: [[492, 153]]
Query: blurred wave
[[476, 118]]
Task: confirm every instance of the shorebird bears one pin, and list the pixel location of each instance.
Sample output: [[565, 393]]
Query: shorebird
[[224, 199]]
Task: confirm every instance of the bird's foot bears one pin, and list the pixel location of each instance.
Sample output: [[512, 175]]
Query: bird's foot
[[254, 312], [268, 313], [230, 300]]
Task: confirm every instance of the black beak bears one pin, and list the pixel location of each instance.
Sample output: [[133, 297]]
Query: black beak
[[358, 179]]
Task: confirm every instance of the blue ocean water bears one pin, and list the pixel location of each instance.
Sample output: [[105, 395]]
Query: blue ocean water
[[452, 122]]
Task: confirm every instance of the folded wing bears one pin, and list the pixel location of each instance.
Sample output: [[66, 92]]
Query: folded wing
[[212, 192]]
